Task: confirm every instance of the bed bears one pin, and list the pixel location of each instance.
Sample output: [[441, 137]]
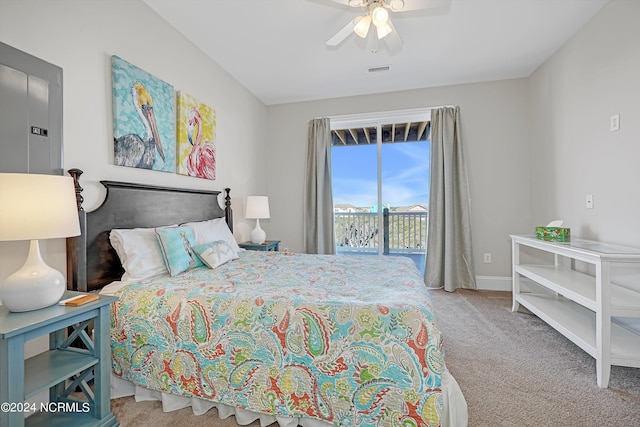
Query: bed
[[311, 340]]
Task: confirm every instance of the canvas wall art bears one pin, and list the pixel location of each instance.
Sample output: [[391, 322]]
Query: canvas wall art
[[196, 138], [143, 118]]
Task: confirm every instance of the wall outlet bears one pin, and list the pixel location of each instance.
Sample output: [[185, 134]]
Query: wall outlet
[[487, 257]]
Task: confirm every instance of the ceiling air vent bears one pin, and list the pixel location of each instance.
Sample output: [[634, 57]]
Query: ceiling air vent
[[379, 69]]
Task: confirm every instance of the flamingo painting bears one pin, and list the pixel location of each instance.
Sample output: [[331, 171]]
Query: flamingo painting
[[202, 158], [143, 119], [196, 136]]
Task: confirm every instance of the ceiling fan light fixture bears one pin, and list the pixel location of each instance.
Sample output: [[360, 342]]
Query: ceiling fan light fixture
[[396, 5], [356, 3], [379, 16], [383, 30], [362, 26]]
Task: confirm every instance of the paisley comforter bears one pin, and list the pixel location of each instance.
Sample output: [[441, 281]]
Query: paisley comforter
[[350, 340]]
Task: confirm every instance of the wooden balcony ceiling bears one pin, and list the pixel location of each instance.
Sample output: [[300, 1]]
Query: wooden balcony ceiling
[[397, 132]]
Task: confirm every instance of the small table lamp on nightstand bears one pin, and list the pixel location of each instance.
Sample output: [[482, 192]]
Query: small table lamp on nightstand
[[32, 207], [257, 208]]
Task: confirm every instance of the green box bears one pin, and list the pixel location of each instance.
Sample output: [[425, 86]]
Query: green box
[[553, 234]]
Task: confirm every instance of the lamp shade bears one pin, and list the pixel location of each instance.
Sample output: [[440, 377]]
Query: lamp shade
[[362, 26], [379, 16], [383, 30], [257, 207], [34, 206]]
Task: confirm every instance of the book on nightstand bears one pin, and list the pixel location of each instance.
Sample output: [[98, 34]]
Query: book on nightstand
[[79, 300]]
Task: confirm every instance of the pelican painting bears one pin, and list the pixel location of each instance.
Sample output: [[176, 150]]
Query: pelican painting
[[143, 117], [131, 149], [196, 138]]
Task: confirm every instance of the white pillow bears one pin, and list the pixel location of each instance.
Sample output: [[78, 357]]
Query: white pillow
[[139, 253], [212, 230], [216, 253]]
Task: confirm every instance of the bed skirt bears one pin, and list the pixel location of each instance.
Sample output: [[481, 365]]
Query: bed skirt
[[456, 414]]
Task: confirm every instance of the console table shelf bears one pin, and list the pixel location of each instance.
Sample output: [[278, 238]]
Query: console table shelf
[[601, 317]]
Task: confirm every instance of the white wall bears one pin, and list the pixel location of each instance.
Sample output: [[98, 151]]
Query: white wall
[[535, 146], [80, 37], [573, 153], [495, 132]]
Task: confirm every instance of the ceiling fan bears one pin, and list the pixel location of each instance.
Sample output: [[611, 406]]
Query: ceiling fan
[[376, 13]]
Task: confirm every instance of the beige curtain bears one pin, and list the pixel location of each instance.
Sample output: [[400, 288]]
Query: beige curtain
[[318, 198], [449, 262]]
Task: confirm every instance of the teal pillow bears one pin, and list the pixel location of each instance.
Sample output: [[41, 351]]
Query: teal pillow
[[216, 253], [176, 244]]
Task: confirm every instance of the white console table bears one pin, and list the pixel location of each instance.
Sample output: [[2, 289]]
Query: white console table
[[601, 317]]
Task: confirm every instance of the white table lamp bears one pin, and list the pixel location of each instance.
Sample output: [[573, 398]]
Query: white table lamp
[[257, 208], [33, 207]]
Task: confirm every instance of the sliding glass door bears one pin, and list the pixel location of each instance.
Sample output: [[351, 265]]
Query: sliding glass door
[[355, 196], [380, 173]]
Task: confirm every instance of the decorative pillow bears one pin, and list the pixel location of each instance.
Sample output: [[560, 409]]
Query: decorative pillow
[[213, 230], [139, 252], [176, 245], [216, 253]]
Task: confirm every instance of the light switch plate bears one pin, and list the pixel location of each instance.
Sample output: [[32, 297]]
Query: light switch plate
[[614, 123]]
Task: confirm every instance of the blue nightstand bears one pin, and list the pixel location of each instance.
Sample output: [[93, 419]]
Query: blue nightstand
[[269, 245], [61, 369]]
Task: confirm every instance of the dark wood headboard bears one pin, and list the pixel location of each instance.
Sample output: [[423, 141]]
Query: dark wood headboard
[[92, 263]]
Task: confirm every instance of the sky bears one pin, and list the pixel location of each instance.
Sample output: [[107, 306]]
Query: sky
[[405, 174]]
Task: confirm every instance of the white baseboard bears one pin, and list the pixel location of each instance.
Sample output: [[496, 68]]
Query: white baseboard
[[493, 283]]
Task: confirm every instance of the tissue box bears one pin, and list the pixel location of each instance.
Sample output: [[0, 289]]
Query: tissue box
[[554, 234]]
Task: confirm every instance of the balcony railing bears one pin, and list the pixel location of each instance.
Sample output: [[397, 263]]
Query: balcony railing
[[403, 232]]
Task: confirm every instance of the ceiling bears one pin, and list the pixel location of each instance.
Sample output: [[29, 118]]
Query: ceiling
[[390, 133], [276, 48]]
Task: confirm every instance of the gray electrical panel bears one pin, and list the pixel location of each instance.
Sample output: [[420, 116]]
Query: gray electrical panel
[[30, 114]]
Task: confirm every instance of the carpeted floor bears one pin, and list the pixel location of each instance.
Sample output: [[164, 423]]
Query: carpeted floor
[[513, 369]]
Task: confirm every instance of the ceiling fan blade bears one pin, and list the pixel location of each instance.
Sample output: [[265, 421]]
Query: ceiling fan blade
[[343, 4], [342, 34], [423, 4], [352, 3], [393, 40]]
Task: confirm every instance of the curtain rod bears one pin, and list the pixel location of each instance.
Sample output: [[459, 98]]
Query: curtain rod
[[385, 113]]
